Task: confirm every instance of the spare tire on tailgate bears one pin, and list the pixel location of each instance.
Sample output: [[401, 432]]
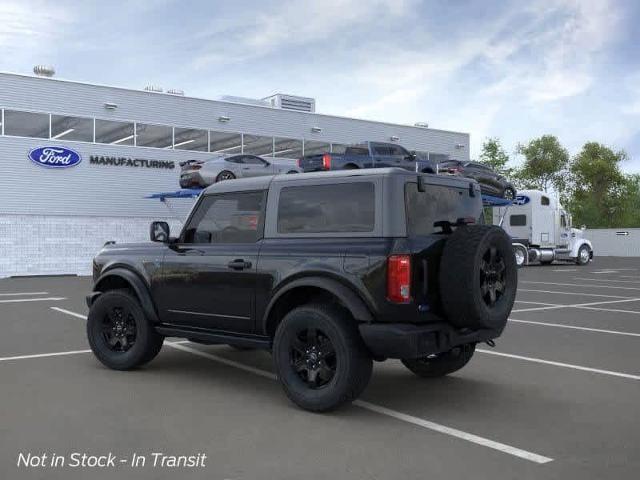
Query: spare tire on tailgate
[[478, 277]]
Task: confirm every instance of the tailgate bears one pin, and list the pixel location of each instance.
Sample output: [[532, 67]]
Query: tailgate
[[311, 163]]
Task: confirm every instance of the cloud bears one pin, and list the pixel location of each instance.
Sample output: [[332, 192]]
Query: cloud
[[27, 26]]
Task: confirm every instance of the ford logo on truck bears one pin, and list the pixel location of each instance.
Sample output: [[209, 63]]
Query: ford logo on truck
[[55, 157]]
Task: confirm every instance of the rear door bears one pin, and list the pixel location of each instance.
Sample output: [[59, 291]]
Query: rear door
[[382, 155]]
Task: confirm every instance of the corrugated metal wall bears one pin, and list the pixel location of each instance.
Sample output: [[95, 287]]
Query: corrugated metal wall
[[610, 242], [54, 220]]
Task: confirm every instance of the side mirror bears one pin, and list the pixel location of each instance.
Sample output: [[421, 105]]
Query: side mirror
[[583, 227], [159, 232]]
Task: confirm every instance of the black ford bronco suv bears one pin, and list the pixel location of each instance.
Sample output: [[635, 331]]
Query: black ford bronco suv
[[329, 271]]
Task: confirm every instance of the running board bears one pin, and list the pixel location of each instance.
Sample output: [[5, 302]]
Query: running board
[[213, 337]]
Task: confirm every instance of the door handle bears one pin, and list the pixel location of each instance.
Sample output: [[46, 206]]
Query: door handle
[[246, 168], [238, 264]]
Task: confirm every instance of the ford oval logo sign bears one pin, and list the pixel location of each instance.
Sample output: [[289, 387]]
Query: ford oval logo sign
[[521, 200], [55, 157]]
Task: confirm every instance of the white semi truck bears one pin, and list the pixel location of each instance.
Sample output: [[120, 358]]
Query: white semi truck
[[541, 230]]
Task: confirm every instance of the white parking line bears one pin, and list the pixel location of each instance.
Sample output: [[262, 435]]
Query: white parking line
[[564, 270], [570, 293], [539, 303], [560, 364], [43, 299], [42, 355], [575, 327], [517, 452], [608, 280], [576, 305], [616, 310], [582, 285], [69, 312], [502, 447], [23, 293]]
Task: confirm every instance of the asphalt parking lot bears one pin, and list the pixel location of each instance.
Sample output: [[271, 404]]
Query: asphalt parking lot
[[557, 398]]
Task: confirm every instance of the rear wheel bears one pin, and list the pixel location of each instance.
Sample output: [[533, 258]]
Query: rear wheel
[[441, 364], [478, 277], [225, 175], [119, 333], [320, 358]]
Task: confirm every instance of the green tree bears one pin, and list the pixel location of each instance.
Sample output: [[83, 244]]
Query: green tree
[[494, 156], [602, 195], [545, 164]]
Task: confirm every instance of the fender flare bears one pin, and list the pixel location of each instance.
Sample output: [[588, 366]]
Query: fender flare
[[346, 295], [137, 284], [578, 244]]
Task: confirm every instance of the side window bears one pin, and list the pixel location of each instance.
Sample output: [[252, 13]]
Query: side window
[[397, 150], [544, 200], [563, 221], [227, 218], [236, 159], [251, 160], [347, 207], [381, 150], [518, 220]]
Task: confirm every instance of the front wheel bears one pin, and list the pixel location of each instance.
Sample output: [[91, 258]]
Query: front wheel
[[119, 333], [509, 193], [320, 357], [584, 255], [441, 364]]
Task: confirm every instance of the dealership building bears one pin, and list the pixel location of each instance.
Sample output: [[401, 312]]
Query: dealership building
[[78, 160]]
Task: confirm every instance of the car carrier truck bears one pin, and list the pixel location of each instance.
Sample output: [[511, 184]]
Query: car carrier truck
[[541, 230]]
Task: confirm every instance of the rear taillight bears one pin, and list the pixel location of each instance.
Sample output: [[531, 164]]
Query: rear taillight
[[326, 161], [195, 167], [299, 163], [399, 278]]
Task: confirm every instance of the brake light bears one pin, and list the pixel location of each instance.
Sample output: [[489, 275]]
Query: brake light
[[299, 163], [326, 161], [399, 278], [195, 167]]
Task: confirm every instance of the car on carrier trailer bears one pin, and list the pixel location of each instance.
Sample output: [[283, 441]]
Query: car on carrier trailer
[[328, 271], [541, 230]]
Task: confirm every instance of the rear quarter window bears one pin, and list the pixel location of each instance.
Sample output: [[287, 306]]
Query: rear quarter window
[[518, 220], [338, 208], [438, 203]]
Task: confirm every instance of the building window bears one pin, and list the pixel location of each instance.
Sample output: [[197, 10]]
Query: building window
[[114, 133], [190, 139], [312, 147], [26, 124], [71, 128], [287, 148], [158, 136], [225, 142], [257, 145]]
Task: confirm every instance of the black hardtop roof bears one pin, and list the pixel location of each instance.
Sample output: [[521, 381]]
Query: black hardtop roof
[[263, 183]]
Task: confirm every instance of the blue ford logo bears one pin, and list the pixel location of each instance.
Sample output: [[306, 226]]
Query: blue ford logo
[[521, 200], [55, 157]]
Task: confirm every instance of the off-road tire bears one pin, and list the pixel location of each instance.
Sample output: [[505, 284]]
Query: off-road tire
[[509, 194], [441, 364], [353, 363], [147, 343], [462, 282]]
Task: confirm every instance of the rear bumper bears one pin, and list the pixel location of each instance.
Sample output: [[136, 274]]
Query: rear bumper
[[405, 340]]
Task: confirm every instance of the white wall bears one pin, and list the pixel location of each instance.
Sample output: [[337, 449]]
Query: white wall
[[46, 244], [612, 242]]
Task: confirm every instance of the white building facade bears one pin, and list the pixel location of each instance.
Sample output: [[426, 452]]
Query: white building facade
[[100, 150]]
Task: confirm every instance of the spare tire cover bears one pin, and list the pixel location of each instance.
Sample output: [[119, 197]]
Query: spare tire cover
[[478, 277]]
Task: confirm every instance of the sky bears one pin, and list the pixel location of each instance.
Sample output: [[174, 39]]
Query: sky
[[508, 69]]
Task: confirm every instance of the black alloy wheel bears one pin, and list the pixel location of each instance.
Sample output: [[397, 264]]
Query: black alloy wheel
[[313, 357], [492, 276], [119, 329]]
